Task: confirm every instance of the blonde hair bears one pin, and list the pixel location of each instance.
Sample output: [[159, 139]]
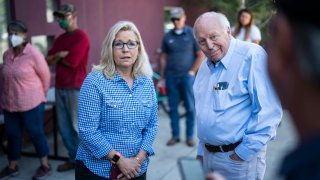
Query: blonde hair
[[107, 65]]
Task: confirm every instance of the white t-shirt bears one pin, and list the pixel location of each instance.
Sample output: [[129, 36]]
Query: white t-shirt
[[255, 34]]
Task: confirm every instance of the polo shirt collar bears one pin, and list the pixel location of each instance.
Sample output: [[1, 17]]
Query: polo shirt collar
[[183, 31]]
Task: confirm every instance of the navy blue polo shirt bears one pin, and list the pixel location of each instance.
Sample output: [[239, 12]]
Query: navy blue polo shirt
[[181, 52]]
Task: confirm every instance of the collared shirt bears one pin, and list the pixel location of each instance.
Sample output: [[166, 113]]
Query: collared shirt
[[25, 80], [235, 100], [113, 116], [181, 52], [304, 162]]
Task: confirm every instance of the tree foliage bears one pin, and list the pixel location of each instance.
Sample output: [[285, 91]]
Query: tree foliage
[[262, 10]]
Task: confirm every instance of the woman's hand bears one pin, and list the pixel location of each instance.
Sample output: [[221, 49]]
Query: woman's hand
[[129, 167]]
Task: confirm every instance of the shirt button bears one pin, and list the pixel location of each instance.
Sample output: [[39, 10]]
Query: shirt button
[[130, 95], [132, 123], [133, 109]]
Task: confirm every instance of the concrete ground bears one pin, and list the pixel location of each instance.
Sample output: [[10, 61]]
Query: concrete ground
[[164, 164]]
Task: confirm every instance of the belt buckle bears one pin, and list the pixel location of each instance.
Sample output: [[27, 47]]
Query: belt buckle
[[221, 149]]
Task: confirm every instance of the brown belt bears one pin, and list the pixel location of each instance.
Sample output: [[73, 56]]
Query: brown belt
[[222, 148]]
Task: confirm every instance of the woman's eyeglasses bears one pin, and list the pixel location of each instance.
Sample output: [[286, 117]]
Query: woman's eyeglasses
[[130, 44]]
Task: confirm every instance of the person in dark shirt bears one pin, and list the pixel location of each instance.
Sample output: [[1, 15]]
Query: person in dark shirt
[[179, 61], [294, 66]]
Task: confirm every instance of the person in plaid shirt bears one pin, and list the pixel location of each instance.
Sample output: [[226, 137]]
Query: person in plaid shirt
[[117, 110]]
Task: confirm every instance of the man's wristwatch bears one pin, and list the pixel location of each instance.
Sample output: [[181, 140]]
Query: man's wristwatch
[[115, 158]]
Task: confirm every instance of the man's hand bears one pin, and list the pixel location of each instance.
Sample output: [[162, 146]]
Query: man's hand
[[191, 73], [161, 83], [57, 57], [215, 176], [235, 157], [61, 54]]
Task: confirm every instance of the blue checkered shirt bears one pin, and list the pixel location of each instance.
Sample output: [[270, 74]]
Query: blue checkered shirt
[[113, 116]]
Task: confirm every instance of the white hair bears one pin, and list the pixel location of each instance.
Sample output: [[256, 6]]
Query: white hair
[[222, 19]]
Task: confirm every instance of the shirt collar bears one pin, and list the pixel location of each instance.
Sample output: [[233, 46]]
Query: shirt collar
[[226, 60], [25, 50], [183, 31], [138, 80]]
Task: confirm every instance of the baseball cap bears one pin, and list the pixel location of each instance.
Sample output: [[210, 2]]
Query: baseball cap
[[176, 12], [299, 11], [64, 9]]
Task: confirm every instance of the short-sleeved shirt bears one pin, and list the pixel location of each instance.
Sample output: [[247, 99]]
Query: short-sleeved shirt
[[255, 34], [181, 52], [77, 44]]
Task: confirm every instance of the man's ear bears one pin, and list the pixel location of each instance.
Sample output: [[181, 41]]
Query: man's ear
[[229, 31]]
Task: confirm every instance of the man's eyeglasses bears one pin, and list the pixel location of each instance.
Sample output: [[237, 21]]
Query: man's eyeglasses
[[175, 19], [130, 44]]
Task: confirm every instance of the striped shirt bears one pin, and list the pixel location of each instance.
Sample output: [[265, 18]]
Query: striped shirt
[[25, 80], [113, 116]]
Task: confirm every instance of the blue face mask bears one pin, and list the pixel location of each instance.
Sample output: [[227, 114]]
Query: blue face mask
[[63, 23]]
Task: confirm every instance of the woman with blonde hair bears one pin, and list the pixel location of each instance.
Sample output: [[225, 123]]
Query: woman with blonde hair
[[245, 29], [117, 110]]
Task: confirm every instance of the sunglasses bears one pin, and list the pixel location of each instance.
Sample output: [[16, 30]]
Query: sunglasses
[[175, 19]]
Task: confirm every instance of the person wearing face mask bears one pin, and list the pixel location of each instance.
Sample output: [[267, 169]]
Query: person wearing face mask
[[25, 80], [245, 29], [69, 54], [179, 62]]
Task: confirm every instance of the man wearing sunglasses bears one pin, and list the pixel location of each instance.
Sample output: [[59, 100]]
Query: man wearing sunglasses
[[69, 54], [179, 61]]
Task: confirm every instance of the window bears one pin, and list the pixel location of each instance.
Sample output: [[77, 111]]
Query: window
[[42, 42], [167, 19], [51, 6], [4, 6]]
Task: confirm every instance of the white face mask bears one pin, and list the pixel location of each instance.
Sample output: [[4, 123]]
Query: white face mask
[[15, 40]]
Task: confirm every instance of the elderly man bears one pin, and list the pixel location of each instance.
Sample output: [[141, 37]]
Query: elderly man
[[237, 110], [294, 67]]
